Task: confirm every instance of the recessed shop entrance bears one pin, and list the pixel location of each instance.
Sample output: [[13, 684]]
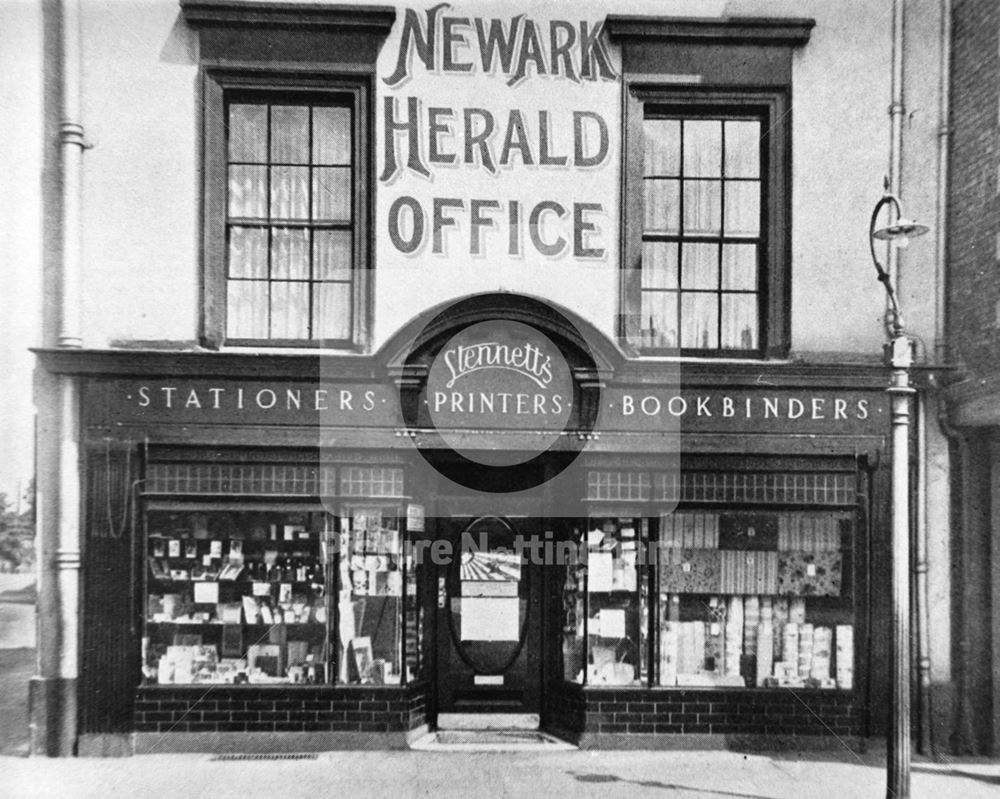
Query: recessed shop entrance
[[488, 618]]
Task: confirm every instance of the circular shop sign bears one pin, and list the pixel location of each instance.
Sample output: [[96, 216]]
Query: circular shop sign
[[499, 393]]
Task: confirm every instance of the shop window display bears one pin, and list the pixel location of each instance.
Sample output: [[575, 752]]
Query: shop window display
[[379, 627], [756, 599], [735, 598], [617, 614], [266, 596], [236, 597]]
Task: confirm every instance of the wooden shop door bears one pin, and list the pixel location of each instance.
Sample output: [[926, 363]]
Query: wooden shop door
[[489, 619]]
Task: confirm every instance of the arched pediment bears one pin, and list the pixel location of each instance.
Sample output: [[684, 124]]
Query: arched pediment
[[588, 350]]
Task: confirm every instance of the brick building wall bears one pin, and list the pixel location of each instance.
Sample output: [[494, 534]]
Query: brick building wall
[[974, 205]]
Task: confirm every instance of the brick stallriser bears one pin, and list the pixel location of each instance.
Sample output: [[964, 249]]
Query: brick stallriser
[[252, 709], [792, 712]]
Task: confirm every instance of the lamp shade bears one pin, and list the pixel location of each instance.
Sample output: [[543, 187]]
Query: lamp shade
[[902, 228]]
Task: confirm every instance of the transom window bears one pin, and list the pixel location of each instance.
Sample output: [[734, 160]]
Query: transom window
[[701, 231], [290, 217]]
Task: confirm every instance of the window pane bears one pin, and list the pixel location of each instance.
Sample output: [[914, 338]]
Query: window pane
[[662, 144], [248, 133], [700, 266], [742, 208], [332, 194], [658, 324], [699, 321], [217, 578], [248, 192], [290, 192], [289, 310], [331, 136], [290, 253], [742, 149], [659, 265], [332, 310], [289, 134], [702, 148], [662, 208], [246, 311], [739, 321], [739, 267], [702, 207], [247, 252], [371, 598], [332, 256], [615, 628]]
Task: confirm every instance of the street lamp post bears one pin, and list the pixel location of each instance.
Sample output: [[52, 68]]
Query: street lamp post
[[899, 358]]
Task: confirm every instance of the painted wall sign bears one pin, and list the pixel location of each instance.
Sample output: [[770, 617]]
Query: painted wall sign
[[480, 108]]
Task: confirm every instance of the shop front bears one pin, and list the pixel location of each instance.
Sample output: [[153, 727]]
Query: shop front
[[302, 554]]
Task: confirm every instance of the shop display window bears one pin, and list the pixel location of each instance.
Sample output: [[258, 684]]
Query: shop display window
[[756, 599], [617, 601], [266, 596], [706, 598], [380, 621], [236, 597]]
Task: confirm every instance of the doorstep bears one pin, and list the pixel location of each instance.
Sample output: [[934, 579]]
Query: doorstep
[[487, 721], [490, 740]]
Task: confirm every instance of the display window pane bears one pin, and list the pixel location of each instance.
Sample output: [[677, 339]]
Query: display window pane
[[616, 629], [236, 597], [373, 631], [755, 599]]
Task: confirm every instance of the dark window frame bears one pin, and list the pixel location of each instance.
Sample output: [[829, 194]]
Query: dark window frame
[[220, 84], [771, 106]]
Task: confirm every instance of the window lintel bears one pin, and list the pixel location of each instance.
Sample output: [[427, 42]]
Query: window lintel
[[240, 13], [786, 31]]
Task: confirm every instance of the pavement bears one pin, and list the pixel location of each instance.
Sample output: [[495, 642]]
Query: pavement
[[450, 775]]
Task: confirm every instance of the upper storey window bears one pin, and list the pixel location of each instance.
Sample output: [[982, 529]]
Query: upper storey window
[[290, 217], [706, 210], [701, 230], [287, 170]]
